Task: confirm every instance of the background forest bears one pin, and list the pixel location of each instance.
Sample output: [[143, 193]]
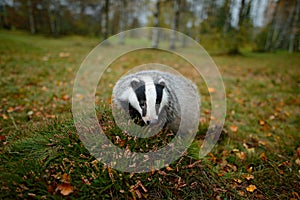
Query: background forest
[[223, 26]]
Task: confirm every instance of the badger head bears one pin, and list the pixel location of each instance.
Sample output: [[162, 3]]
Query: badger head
[[146, 99]]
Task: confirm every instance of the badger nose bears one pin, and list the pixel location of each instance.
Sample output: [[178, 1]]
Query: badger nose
[[148, 122]]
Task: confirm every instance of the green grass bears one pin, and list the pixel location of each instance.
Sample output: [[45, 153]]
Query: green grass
[[39, 144]]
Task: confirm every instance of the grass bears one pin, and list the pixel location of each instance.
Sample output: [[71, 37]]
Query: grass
[[40, 150]]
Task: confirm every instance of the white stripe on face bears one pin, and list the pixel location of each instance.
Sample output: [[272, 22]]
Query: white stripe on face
[[132, 99], [151, 95]]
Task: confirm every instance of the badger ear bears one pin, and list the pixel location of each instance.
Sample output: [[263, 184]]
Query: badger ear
[[134, 83], [162, 82]]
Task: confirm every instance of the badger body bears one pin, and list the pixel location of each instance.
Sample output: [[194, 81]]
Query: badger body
[[154, 97]]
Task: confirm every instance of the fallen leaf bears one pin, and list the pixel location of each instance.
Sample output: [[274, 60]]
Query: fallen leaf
[[10, 109], [237, 180], [241, 155], [234, 128], [262, 122], [248, 177], [169, 168], [65, 189], [4, 116], [297, 161], [2, 137], [251, 188], [64, 54], [65, 97], [263, 157], [211, 90], [241, 193], [65, 178]]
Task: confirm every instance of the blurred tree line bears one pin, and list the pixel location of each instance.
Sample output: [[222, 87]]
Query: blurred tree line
[[227, 25]]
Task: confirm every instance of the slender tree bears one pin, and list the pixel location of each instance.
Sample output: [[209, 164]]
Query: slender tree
[[175, 23], [31, 17], [295, 24], [106, 14], [155, 33]]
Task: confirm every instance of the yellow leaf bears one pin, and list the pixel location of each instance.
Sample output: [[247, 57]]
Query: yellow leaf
[[251, 188]]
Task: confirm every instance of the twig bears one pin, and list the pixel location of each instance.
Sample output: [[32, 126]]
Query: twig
[[13, 121]]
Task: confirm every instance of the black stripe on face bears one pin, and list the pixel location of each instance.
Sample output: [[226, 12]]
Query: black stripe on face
[[159, 93], [141, 96]]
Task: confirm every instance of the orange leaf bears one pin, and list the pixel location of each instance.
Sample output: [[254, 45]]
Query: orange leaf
[[211, 90], [251, 188], [234, 128], [169, 168], [66, 178], [65, 189], [65, 97], [261, 122]]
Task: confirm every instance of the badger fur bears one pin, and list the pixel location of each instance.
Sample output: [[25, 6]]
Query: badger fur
[[154, 97]]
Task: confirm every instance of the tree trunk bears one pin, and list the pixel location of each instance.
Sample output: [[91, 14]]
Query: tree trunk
[[228, 16], [155, 33], [31, 17], [270, 34], [175, 24], [106, 26], [295, 23], [50, 18], [123, 22], [287, 25]]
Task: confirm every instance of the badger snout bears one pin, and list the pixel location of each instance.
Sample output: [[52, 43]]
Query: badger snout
[[151, 121]]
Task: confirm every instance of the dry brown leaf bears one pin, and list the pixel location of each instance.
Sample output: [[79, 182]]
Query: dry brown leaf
[[4, 116], [65, 189], [241, 155], [65, 178], [262, 122], [238, 180], [297, 161], [241, 193], [248, 176], [169, 168], [2, 137], [65, 97], [234, 128], [263, 157], [251, 188], [10, 109]]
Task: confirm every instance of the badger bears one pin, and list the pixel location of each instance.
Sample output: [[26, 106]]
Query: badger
[[157, 98]]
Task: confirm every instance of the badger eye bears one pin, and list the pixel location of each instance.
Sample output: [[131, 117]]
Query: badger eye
[[143, 104]]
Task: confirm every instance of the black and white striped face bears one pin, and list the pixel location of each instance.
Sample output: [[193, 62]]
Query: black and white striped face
[[147, 99]]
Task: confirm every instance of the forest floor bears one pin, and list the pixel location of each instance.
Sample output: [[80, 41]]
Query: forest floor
[[256, 157]]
